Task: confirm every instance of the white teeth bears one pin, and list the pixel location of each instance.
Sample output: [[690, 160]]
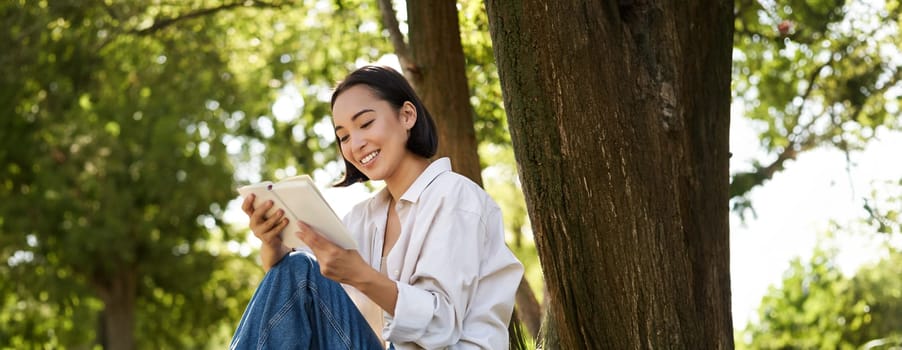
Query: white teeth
[[369, 157]]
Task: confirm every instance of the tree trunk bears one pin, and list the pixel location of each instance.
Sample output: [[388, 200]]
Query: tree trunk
[[530, 313], [619, 115], [440, 79], [548, 332], [119, 296]]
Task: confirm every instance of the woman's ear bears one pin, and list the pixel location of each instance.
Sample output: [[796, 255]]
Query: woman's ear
[[408, 114]]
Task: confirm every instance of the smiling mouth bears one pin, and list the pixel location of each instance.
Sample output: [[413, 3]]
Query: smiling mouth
[[369, 158]]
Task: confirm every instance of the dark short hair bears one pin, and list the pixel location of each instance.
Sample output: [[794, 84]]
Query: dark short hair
[[390, 86]]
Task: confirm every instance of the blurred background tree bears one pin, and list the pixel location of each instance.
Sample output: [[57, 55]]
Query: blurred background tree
[[127, 125], [818, 307]]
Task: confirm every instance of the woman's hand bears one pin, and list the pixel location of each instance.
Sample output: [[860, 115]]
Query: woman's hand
[[346, 266], [267, 230], [336, 263]]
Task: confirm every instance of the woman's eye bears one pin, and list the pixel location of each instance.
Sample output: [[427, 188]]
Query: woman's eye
[[344, 139], [367, 124]]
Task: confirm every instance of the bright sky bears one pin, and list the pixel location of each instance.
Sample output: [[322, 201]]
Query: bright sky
[[796, 206]]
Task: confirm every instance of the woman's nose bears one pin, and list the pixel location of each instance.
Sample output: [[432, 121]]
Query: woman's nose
[[357, 141]]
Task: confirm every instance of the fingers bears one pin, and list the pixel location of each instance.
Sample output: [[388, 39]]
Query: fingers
[[335, 262], [258, 214], [323, 249], [269, 232], [267, 229], [311, 237], [274, 219], [248, 205], [273, 233], [267, 225], [319, 244]]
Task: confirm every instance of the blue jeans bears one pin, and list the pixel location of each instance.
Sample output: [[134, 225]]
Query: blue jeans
[[295, 307]]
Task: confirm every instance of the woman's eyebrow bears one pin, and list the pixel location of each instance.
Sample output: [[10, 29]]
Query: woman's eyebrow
[[354, 117]]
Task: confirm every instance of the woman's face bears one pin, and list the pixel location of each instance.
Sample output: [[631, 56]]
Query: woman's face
[[372, 133]]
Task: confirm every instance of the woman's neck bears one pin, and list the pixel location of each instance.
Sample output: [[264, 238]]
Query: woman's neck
[[408, 171]]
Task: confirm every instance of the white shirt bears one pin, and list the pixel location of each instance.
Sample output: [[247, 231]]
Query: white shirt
[[456, 277]]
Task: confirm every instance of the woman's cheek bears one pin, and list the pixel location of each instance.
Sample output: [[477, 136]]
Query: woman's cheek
[[344, 152]]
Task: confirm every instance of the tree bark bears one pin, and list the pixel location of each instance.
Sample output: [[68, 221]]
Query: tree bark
[[548, 337], [619, 115], [119, 297]]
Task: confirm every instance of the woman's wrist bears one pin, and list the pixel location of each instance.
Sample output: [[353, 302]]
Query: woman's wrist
[[270, 256], [379, 288], [368, 280]]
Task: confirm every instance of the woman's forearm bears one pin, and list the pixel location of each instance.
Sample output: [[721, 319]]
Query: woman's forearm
[[380, 289]]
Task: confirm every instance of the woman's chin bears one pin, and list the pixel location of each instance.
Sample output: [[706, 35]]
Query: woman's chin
[[375, 176], [371, 173]]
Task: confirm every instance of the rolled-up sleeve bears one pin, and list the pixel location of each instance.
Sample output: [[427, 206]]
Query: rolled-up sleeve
[[417, 309]]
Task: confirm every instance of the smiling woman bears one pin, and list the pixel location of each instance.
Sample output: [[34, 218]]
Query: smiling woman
[[432, 269], [380, 89]]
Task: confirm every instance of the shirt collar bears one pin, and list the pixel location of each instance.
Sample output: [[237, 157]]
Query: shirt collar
[[419, 185], [382, 197]]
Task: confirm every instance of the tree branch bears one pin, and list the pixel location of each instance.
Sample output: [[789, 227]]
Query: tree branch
[[165, 22], [744, 182], [390, 21]]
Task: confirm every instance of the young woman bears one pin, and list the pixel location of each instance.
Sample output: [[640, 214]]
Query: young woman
[[432, 262]]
